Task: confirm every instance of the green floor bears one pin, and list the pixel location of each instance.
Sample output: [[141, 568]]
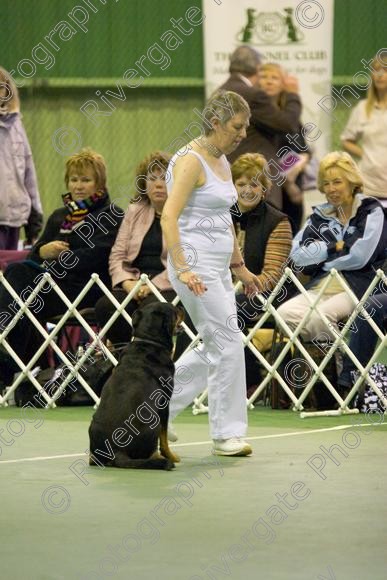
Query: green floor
[[209, 518]]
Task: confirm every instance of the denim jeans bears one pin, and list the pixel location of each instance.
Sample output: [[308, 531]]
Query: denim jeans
[[363, 339]]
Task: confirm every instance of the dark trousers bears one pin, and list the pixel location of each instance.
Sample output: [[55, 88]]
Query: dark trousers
[[363, 339], [121, 331], [9, 238], [24, 338], [248, 313]]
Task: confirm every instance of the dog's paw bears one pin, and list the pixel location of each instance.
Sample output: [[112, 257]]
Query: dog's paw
[[174, 458], [168, 465], [168, 454]]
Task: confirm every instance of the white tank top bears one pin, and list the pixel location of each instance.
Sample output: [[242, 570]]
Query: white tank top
[[205, 222]]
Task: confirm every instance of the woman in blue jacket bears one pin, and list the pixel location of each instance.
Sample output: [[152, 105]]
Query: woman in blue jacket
[[347, 233]]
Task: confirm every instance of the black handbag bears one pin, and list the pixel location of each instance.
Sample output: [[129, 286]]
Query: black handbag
[[95, 374]]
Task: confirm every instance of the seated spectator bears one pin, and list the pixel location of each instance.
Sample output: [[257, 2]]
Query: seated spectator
[[75, 243], [363, 339], [264, 237], [292, 158], [20, 201], [140, 249], [347, 233]]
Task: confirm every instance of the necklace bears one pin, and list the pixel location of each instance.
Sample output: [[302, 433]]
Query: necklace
[[212, 149]]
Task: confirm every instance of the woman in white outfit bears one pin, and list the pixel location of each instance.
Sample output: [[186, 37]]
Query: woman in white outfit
[[202, 247], [365, 135]]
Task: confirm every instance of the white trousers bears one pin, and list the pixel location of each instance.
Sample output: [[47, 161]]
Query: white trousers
[[335, 307], [219, 363]]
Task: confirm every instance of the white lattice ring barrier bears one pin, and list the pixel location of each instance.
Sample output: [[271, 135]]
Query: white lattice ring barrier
[[49, 339], [96, 340]]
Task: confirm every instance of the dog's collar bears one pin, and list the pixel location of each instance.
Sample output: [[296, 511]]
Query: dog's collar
[[159, 344]]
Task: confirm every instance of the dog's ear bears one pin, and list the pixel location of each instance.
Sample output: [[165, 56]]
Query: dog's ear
[[136, 317], [180, 314], [169, 324]]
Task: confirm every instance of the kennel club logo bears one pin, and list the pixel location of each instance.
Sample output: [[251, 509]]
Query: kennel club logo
[[264, 28]]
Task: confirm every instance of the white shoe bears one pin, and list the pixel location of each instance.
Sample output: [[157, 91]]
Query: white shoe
[[172, 435], [234, 446]]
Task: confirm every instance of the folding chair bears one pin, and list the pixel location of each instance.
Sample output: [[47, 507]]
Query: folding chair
[[9, 256], [318, 398], [296, 395]]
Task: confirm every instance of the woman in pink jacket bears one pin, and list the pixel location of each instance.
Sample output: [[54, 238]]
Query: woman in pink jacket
[[139, 249]]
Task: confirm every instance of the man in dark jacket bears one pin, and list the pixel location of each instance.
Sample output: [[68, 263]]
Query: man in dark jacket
[[267, 119]]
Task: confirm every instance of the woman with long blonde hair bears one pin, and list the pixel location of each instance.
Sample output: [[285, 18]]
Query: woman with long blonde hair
[[272, 81], [365, 135]]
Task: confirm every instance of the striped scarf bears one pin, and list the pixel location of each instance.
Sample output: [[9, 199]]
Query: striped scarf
[[78, 210]]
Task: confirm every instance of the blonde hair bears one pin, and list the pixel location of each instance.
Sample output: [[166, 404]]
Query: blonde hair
[[11, 98], [346, 164], [372, 94], [224, 105], [253, 166], [277, 67], [87, 159]]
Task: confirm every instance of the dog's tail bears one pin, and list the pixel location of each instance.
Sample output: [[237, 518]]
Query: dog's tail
[[125, 462]]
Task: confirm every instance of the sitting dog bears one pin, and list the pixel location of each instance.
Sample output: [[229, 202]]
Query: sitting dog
[[132, 417]]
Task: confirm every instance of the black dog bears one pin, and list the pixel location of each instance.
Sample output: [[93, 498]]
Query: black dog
[[132, 416]]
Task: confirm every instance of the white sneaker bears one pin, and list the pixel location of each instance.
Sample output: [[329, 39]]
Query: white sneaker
[[172, 435], [234, 446]]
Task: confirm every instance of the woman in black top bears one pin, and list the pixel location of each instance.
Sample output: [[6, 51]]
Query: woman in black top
[[75, 243]]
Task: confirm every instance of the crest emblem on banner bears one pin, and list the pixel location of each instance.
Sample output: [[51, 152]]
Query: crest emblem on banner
[[265, 28]]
